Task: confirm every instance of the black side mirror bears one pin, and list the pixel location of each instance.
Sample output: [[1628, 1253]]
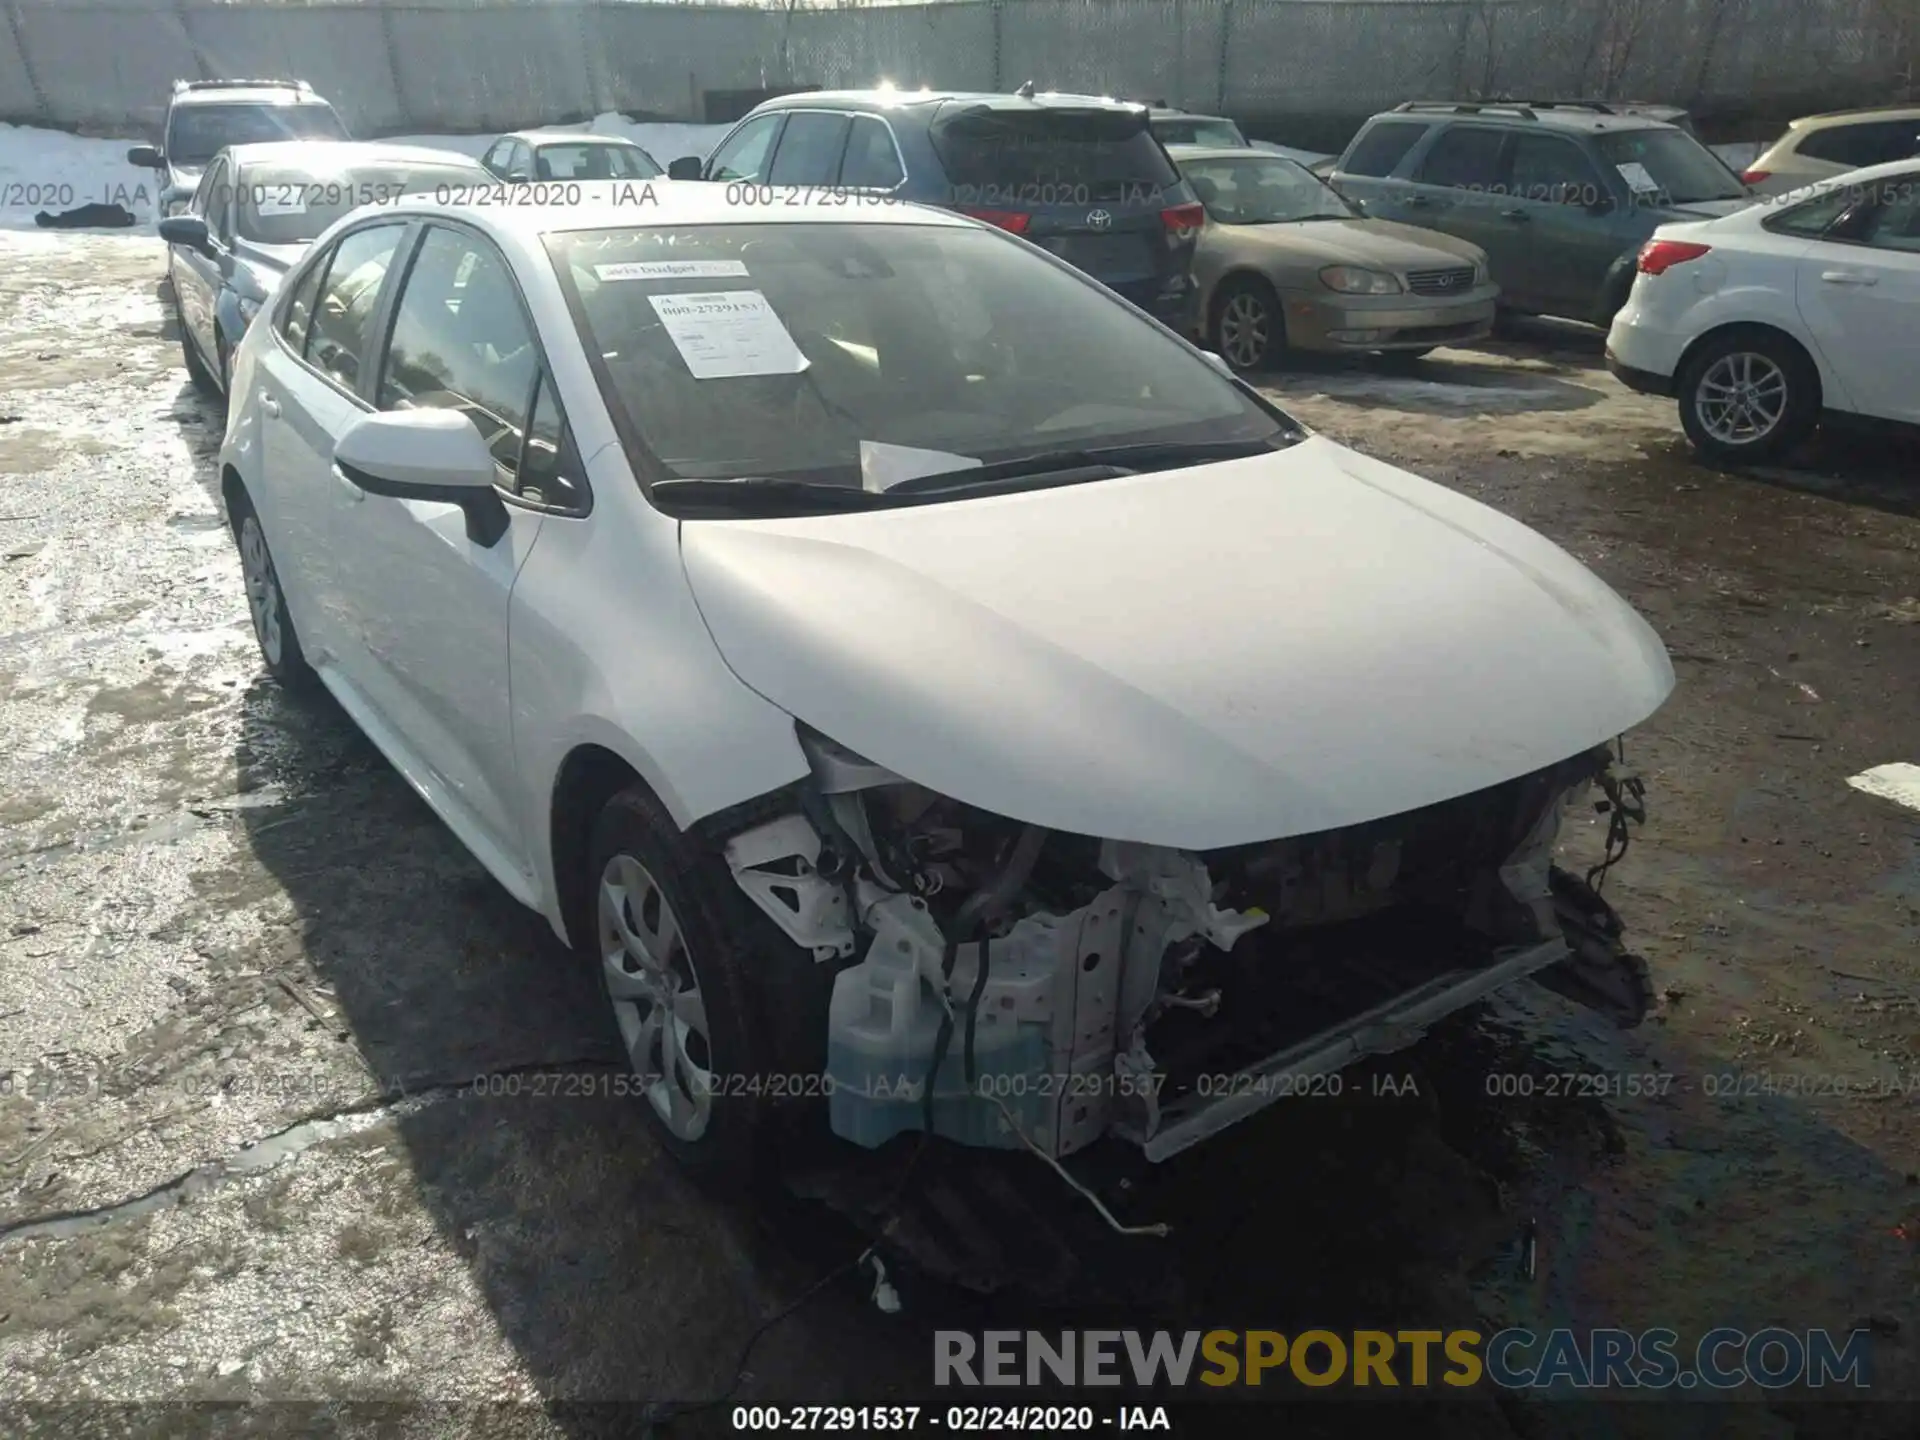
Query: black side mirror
[[147, 157], [687, 167], [187, 231]]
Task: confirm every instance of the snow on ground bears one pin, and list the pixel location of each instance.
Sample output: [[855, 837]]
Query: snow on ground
[[52, 170]]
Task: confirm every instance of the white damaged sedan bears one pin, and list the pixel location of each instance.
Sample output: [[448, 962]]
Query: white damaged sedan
[[935, 696]]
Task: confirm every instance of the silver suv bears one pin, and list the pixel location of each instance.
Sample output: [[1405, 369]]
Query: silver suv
[[206, 116]]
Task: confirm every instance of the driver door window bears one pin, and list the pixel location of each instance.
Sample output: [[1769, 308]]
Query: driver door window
[[343, 317], [498, 157], [461, 341], [744, 156], [1548, 171]]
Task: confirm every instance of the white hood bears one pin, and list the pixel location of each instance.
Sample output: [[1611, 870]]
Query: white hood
[[1198, 658]]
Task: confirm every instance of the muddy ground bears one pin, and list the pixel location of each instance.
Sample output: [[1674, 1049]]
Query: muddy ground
[[247, 981]]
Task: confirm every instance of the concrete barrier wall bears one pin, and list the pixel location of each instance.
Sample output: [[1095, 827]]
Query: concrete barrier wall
[[469, 65]]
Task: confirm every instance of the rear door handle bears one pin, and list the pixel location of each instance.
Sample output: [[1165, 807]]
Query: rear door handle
[[270, 407], [1515, 215], [1417, 202], [1848, 277]]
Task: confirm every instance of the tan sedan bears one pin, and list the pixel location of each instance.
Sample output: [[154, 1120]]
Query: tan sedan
[[1284, 263]]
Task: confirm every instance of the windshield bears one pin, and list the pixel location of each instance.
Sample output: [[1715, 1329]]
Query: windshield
[[1051, 156], [290, 205], [199, 132], [1245, 190], [1669, 167], [594, 162], [1223, 133], [815, 351]]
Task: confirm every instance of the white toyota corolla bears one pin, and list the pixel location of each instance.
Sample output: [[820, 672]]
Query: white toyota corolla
[[936, 696]]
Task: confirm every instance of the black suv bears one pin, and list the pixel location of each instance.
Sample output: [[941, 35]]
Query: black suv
[[206, 116], [1078, 176]]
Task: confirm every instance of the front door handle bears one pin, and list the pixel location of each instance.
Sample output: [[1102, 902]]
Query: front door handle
[[1417, 202], [1519, 216], [270, 407], [1848, 277]]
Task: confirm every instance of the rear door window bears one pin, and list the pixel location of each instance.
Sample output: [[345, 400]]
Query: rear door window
[[1465, 157], [1382, 148], [1895, 223], [1051, 156], [810, 147], [872, 162]]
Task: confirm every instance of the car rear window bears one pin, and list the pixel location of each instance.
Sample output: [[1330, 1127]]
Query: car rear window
[[1383, 147], [594, 162], [1874, 143], [199, 132], [290, 205], [1051, 155]]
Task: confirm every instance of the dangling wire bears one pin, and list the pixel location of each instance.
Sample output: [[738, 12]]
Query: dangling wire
[[1625, 806]]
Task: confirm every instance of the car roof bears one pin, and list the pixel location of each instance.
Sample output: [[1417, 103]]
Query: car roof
[[1851, 117], [612, 205], [336, 153], [262, 94], [567, 137], [1518, 115], [1167, 113], [879, 101]]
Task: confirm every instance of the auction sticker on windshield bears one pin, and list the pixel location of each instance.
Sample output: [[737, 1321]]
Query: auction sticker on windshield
[[724, 334], [1639, 179], [673, 270]]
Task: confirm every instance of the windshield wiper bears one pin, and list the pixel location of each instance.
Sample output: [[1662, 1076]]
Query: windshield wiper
[[1124, 458], [754, 490]]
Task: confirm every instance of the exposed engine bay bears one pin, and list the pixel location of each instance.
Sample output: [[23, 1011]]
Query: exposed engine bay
[[1004, 986]]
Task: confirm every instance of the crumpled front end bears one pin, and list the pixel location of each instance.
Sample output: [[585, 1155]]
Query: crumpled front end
[[1005, 986]]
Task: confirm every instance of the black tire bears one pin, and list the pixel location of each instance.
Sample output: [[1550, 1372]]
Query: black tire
[[1243, 302], [203, 379], [1760, 364], [763, 999], [273, 628], [226, 369]]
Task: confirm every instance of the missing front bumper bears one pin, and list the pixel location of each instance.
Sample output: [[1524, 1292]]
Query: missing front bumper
[[1390, 1026]]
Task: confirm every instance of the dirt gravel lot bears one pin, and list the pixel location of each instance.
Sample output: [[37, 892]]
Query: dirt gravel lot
[[247, 982]]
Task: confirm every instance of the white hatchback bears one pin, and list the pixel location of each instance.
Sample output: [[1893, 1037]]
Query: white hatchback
[[936, 696], [1760, 322]]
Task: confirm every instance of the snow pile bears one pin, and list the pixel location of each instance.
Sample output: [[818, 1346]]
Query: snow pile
[[52, 170]]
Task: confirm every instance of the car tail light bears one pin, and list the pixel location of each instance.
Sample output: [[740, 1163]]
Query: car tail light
[[1754, 177], [1659, 256], [1014, 221], [1183, 222]]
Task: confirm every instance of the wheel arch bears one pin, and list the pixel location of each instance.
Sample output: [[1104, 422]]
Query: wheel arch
[[590, 774], [1760, 328]]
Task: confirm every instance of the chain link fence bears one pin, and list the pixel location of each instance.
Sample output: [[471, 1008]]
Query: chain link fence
[[394, 65]]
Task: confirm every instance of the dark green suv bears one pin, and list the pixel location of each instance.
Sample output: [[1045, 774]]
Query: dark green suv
[[1560, 196]]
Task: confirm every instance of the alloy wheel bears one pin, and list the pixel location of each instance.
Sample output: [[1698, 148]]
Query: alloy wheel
[[1244, 322], [1741, 398], [650, 979]]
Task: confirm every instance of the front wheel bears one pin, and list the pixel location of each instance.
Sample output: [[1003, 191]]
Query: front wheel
[[1247, 328], [703, 996], [1748, 397]]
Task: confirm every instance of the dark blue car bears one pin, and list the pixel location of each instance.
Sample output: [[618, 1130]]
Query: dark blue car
[[1080, 176]]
